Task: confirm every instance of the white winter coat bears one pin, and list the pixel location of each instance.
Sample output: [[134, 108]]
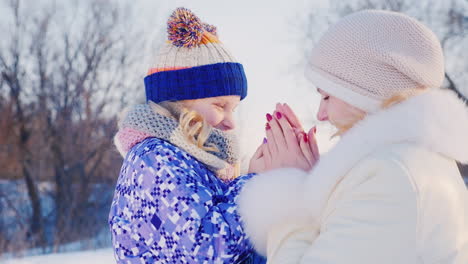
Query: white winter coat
[[388, 192]]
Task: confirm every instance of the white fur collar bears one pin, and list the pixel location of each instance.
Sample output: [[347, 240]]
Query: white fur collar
[[436, 120]]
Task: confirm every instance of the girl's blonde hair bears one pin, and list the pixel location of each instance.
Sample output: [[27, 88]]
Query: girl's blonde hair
[[194, 127], [358, 116]]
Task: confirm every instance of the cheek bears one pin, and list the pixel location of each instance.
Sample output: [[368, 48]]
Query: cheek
[[339, 113], [336, 113], [212, 116]]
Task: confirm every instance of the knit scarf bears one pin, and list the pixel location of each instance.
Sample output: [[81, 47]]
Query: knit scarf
[[145, 121]]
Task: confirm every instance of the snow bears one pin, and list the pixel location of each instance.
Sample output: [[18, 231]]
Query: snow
[[101, 256]]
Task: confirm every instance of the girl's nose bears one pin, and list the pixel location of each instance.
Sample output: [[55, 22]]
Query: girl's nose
[[228, 123]]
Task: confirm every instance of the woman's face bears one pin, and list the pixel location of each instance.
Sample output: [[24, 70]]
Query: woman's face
[[339, 113], [217, 111]]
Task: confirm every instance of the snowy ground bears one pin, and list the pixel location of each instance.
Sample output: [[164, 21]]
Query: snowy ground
[[101, 256]]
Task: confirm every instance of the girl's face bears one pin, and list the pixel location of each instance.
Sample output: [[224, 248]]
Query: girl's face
[[217, 111], [339, 113]]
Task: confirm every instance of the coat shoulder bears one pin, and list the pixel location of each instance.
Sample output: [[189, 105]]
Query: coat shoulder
[[385, 162], [154, 150]]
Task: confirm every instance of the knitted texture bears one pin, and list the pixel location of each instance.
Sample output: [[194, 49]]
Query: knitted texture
[[193, 63], [371, 55], [212, 80], [144, 121]]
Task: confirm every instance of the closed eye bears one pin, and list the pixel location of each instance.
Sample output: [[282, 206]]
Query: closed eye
[[219, 107]]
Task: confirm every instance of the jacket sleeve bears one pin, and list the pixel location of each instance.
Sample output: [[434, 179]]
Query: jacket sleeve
[[170, 216], [374, 221]]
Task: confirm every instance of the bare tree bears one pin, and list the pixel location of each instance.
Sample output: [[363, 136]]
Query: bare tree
[[65, 73], [12, 77]]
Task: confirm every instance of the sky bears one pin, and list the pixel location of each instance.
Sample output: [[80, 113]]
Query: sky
[[265, 36]]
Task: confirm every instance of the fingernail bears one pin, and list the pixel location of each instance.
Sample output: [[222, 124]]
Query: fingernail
[[265, 141], [315, 130], [278, 115], [269, 117], [267, 126], [306, 138]]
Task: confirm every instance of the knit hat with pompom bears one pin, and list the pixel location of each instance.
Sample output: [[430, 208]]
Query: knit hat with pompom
[[372, 55], [193, 63]]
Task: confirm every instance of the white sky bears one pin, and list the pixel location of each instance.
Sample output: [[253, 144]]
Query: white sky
[[265, 38]]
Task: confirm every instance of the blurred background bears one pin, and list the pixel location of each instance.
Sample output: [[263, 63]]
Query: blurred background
[[68, 69]]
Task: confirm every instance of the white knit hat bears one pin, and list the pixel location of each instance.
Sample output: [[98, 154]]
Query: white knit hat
[[371, 55]]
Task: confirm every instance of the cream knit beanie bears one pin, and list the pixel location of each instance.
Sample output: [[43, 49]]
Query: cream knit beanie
[[371, 55]]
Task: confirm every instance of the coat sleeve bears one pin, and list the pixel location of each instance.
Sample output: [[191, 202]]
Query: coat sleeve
[[165, 214], [374, 221]]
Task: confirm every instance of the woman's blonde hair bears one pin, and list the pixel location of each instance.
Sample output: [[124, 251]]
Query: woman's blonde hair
[[358, 116]]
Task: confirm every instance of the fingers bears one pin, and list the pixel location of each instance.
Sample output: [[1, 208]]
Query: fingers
[[313, 143], [278, 133], [271, 145], [279, 107], [266, 155], [289, 135], [306, 150], [291, 116], [259, 152]]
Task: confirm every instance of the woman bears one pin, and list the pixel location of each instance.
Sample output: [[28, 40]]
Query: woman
[[175, 197], [390, 190]]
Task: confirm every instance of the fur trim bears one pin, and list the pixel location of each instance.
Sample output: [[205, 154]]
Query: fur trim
[[257, 204], [436, 120]]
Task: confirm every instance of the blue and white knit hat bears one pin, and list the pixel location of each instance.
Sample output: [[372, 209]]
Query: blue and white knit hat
[[193, 63]]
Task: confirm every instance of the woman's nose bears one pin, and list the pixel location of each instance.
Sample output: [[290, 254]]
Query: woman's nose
[[322, 114]]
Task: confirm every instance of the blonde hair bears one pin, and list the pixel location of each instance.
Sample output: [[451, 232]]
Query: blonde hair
[[194, 127], [358, 116]]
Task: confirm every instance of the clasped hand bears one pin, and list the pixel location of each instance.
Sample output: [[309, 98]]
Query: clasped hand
[[285, 145]]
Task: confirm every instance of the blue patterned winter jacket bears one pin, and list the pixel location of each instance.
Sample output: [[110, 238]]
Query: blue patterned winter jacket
[[169, 208]]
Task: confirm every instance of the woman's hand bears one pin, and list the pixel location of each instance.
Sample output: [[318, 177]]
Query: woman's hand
[[286, 144], [307, 141], [284, 147]]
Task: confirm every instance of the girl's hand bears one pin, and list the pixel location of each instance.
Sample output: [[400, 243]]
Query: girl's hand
[[257, 162]]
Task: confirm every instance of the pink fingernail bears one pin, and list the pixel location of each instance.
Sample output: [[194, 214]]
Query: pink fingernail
[[269, 117], [315, 130], [267, 126], [278, 115]]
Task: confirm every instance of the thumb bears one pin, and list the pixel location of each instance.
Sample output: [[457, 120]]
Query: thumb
[[313, 142], [259, 152]]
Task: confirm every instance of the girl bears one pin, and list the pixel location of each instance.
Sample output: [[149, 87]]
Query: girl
[[175, 196], [390, 190]]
